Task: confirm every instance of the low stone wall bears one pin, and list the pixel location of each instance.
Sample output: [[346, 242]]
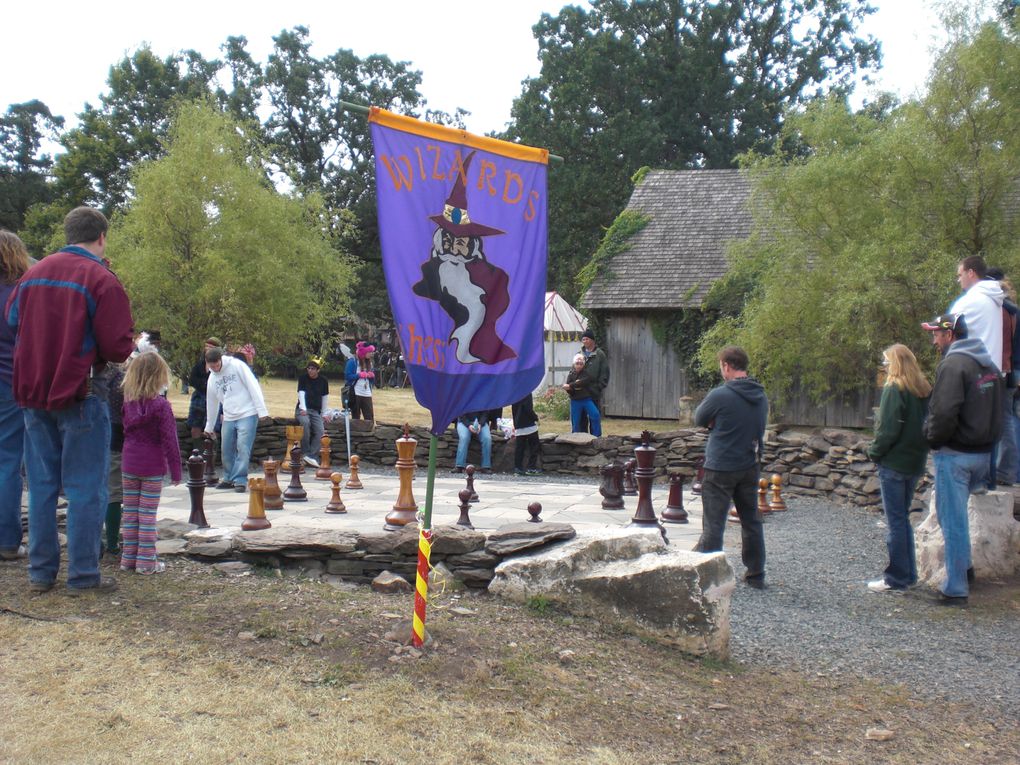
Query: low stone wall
[[831, 463]]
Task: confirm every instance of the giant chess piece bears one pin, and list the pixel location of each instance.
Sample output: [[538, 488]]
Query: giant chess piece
[[645, 474], [763, 496], [325, 472], [405, 510], [777, 505], [209, 453], [295, 492], [675, 512], [465, 505], [256, 508], [196, 488], [335, 504], [470, 472], [612, 486], [272, 496], [629, 485], [699, 479], [354, 480], [534, 510]]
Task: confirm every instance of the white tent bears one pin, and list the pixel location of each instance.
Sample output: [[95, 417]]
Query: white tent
[[563, 325]]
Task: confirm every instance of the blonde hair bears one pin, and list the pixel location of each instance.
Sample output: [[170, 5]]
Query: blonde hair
[[13, 257], [146, 377], [904, 371]]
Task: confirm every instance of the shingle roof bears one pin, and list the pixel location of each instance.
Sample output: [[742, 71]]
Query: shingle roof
[[673, 260]]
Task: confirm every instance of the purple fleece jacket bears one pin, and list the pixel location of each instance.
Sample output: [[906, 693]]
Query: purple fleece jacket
[[150, 439]]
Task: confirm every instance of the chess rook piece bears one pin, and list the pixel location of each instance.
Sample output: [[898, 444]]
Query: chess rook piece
[[470, 471], [699, 479], [405, 510], [272, 496], [354, 480], [256, 509], [325, 472], [295, 492], [612, 486], [777, 505], [629, 485], [335, 504], [196, 488], [763, 496], [465, 505], [534, 510], [674, 512], [209, 453], [645, 475]]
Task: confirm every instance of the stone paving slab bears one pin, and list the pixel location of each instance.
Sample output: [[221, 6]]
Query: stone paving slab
[[501, 501]]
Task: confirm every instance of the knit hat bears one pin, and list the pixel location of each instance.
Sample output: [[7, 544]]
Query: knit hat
[[362, 349], [588, 333]]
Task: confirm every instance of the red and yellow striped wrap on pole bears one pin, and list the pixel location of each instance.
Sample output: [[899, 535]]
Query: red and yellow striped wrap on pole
[[421, 587]]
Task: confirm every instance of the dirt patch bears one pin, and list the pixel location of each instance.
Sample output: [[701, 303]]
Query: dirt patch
[[194, 665]]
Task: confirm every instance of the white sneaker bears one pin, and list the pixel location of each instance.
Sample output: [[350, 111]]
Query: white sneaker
[[879, 585], [311, 462]]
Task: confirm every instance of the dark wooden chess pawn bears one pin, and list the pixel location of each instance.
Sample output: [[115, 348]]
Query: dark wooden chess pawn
[[629, 484], [272, 496], [335, 504], [470, 471], [675, 512], [295, 491], [645, 474], [405, 510], [256, 519], [612, 486], [777, 505], [534, 510], [763, 496], [465, 505], [325, 472], [354, 480], [210, 462], [699, 479], [196, 488]]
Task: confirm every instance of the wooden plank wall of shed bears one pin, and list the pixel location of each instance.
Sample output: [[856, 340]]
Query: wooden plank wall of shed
[[645, 380], [854, 411]]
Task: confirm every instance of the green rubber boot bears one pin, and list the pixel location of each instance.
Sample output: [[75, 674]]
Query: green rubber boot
[[114, 511]]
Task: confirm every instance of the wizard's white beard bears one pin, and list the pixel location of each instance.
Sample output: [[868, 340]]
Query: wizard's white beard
[[455, 280]]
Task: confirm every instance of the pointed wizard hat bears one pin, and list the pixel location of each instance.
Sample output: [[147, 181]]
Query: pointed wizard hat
[[455, 218]]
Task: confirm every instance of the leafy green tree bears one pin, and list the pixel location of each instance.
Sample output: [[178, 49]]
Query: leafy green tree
[[206, 246], [24, 169], [669, 84], [860, 227]]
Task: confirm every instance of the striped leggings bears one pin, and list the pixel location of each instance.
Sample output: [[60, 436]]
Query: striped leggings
[[138, 527]]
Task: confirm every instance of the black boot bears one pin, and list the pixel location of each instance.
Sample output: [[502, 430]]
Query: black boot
[[114, 511]]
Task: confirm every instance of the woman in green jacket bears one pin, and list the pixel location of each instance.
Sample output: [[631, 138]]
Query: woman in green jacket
[[900, 451]]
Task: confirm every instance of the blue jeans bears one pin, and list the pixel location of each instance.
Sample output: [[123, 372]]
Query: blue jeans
[[464, 440], [1007, 458], [12, 449], [311, 437], [587, 406], [957, 476], [69, 447], [897, 494], [237, 439]]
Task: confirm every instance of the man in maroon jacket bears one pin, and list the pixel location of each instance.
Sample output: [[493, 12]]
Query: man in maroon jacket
[[71, 315]]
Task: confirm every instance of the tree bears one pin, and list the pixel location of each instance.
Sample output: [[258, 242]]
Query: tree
[[207, 247], [24, 171], [669, 84], [864, 220]]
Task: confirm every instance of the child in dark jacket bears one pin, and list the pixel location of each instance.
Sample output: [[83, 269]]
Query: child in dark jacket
[[578, 387], [150, 449], [526, 435]]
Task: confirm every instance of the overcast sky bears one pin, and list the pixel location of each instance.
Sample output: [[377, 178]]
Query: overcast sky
[[472, 53]]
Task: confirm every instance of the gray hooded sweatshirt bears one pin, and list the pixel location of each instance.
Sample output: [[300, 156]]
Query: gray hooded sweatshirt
[[735, 413], [965, 408]]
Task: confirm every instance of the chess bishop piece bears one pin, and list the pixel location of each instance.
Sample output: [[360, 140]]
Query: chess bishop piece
[[209, 453], [324, 472]]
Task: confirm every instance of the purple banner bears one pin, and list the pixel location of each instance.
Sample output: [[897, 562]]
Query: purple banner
[[462, 220]]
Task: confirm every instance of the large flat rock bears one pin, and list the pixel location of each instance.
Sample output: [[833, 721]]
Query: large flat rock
[[291, 538], [517, 537]]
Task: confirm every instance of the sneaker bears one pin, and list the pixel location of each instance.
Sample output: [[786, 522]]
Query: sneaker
[[519, 471], [971, 576], [755, 582], [533, 471], [40, 586], [941, 599], [159, 569], [457, 469], [879, 585], [105, 584], [17, 554], [310, 462], [240, 488], [224, 485]]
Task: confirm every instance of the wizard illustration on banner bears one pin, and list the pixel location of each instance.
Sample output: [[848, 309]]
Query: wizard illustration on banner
[[473, 291]]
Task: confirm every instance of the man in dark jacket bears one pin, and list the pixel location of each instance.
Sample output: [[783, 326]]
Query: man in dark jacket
[[735, 413], [72, 317], [964, 422]]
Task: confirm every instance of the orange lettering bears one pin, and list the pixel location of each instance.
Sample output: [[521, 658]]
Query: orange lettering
[[486, 172], [529, 213], [515, 179], [435, 165], [457, 168], [421, 162], [397, 174]]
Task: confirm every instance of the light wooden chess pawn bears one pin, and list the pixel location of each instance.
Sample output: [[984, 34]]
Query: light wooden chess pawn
[[325, 472], [335, 504], [354, 481], [777, 505], [763, 496]]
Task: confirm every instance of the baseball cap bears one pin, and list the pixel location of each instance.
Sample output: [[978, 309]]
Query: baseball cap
[[947, 321]]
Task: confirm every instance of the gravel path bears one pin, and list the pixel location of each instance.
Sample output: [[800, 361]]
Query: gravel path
[[818, 615]]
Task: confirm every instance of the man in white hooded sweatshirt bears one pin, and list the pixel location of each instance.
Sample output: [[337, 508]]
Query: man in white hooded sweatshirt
[[232, 384], [981, 307]]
